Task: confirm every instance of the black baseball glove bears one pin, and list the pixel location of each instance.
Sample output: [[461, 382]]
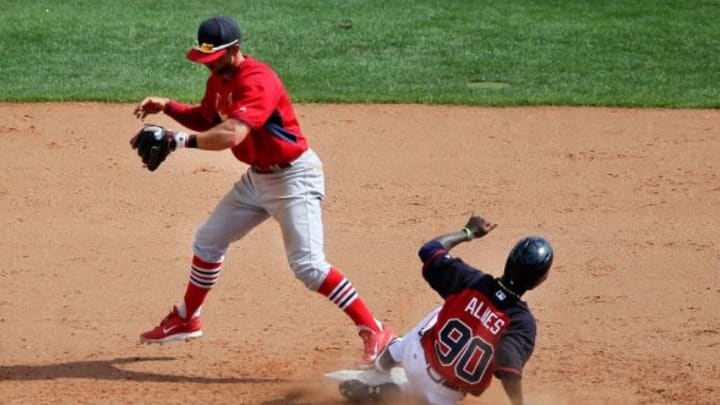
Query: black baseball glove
[[153, 143]]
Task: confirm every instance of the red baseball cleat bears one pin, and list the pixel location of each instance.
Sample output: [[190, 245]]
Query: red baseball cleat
[[173, 329], [374, 342]]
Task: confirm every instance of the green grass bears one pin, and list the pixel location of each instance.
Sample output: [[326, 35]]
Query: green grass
[[499, 53]]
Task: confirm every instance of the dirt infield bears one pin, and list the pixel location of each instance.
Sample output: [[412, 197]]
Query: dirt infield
[[95, 250]]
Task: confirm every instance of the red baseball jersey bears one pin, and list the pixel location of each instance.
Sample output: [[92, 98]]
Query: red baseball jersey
[[254, 95]]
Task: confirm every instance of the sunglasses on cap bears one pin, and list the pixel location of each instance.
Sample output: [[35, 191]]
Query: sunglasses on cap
[[210, 48]]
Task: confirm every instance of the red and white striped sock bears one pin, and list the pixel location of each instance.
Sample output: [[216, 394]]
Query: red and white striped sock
[[203, 276], [342, 293]]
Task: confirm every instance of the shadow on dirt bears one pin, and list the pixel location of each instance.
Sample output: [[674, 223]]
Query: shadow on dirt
[[304, 397], [109, 370]]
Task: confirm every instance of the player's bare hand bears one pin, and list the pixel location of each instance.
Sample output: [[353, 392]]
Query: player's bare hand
[[479, 226], [150, 105]]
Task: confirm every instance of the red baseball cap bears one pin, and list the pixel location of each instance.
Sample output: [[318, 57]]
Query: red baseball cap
[[214, 36]]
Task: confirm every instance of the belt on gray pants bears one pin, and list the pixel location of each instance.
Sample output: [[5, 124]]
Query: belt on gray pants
[[273, 168]]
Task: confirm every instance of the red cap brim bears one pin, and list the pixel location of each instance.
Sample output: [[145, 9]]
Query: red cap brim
[[198, 56]]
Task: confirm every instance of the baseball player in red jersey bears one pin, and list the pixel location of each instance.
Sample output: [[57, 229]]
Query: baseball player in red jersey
[[482, 329], [247, 110]]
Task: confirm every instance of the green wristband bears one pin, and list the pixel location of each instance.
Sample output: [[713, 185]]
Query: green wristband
[[468, 233]]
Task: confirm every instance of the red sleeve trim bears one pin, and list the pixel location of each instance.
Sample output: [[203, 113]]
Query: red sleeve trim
[[436, 254], [432, 257], [509, 370]]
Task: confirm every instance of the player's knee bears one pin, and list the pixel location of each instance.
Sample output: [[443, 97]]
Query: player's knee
[[208, 254], [208, 246], [310, 275]]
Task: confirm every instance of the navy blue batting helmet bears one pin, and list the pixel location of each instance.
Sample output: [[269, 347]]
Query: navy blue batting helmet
[[528, 263]]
